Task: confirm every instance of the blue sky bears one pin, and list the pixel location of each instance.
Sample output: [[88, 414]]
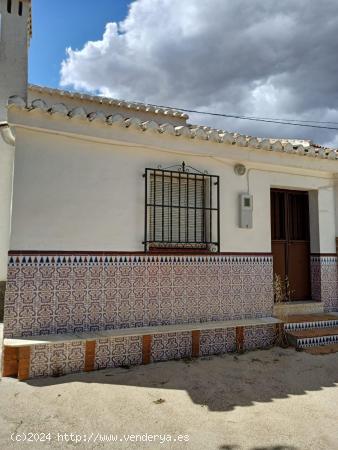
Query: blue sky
[[66, 23]]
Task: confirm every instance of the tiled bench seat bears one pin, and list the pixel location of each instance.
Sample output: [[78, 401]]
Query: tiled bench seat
[[59, 354]]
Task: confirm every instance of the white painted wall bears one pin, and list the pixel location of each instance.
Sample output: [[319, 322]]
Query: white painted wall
[[327, 224], [6, 170], [81, 194]]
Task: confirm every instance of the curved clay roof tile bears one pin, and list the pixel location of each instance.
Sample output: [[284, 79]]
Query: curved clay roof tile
[[150, 125], [39, 104], [167, 128], [277, 146], [59, 108], [182, 131], [115, 119], [78, 112]]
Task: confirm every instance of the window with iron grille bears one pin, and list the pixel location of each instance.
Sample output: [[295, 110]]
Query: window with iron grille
[[181, 209]]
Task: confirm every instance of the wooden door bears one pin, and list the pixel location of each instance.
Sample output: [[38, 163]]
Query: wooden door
[[291, 240]]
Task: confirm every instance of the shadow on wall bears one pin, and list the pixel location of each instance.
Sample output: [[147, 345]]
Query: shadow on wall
[[223, 382], [2, 299]]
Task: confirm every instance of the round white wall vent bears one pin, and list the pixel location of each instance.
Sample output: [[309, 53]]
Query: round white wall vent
[[239, 169]]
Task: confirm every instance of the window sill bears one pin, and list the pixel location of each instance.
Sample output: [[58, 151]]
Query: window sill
[[180, 250]]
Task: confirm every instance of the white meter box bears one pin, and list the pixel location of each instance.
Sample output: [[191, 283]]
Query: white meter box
[[245, 213]]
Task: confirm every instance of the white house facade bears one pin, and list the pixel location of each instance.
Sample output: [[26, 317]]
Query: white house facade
[[136, 236]]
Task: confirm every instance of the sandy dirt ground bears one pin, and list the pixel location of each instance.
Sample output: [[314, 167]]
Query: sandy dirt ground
[[271, 399]]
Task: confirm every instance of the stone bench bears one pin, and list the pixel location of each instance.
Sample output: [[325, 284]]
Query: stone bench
[[58, 354]]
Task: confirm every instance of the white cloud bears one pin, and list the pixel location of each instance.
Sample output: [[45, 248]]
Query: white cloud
[[251, 57]]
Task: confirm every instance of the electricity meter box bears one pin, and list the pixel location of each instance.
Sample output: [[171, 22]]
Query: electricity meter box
[[245, 208]]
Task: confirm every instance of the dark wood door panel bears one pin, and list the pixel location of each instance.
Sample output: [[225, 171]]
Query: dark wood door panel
[[279, 258], [299, 270], [298, 216]]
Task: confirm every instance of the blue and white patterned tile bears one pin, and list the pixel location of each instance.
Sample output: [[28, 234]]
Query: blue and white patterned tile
[[171, 346], [115, 352], [57, 359], [258, 337], [217, 341]]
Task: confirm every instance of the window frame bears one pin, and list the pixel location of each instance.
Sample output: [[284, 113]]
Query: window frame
[[210, 243]]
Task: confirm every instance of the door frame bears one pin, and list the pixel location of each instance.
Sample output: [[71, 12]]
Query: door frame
[[287, 241]]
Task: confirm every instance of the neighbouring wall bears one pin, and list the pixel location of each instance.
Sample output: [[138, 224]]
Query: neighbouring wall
[[56, 293]]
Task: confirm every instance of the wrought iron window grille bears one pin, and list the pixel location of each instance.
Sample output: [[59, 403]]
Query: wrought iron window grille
[[181, 209]]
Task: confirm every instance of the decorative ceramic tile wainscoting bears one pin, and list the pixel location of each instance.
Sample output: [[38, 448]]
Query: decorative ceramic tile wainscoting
[[116, 352], [81, 312], [324, 280], [57, 359], [57, 294], [49, 356]]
